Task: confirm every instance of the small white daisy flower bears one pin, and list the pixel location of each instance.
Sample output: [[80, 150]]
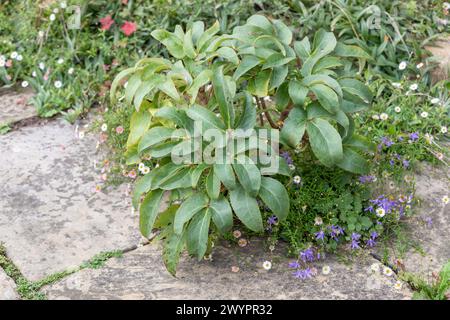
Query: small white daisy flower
[[52, 17], [397, 109], [292, 167], [396, 85], [24, 84], [376, 117], [81, 134], [71, 71], [413, 87], [19, 57], [318, 221], [326, 270], [297, 179], [445, 199], [420, 65], [104, 127], [267, 265], [388, 271], [58, 84], [424, 114], [434, 100], [380, 212], [60, 61], [41, 34], [141, 166], [384, 116], [41, 66], [145, 170], [375, 267], [14, 55], [2, 63], [402, 65], [398, 285], [63, 5], [443, 129], [55, 11]]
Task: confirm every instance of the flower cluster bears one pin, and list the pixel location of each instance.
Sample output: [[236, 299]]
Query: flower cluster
[[386, 205], [303, 265]]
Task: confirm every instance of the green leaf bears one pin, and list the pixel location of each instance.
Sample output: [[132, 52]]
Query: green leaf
[[360, 142], [208, 118], [356, 91], [261, 83], [283, 32], [202, 79], [188, 209], [212, 185], [139, 124], [206, 36], [168, 87], [278, 77], [246, 209], [164, 173], [247, 63], [276, 60], [325, 141], [343, 50], [323, 79], [142, 185], [282, 97], [222, 214], [181, 179], [175, 115], [225, 173], [248, 174], [297, 92], [196, 174], [116, 82], [248, 118], [154, 136], [188, 45], [173, 245], [149, 210], [224, 96], [327, 97], [197, 233], [173, 44], [228, 54], [353, 162], [324, 43], [303, 49], [133, 84], [294, 127], [275, 196]]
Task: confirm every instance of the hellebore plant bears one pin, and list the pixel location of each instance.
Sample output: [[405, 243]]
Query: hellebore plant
[[212, 115]]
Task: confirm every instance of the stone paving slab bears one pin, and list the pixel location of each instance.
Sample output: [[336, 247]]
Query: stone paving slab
[[7, 287], [429, 229], [15, 106], [441, 54], [140, 274], [50, 217]]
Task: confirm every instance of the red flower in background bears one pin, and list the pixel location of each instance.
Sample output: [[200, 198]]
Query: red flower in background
[[124, 1], [106, 22], [128, 28]]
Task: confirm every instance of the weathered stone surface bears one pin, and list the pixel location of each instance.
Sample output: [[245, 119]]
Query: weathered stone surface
[[7, 287], [428, 229], [50, 217], [441, 54], [14, 106], [140, 274]]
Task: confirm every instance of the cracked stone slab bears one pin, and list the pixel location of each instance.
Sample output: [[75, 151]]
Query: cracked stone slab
[[428, 228], [140, 274], [50, 217], [441, 54], [15, 106], [7, 287]]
